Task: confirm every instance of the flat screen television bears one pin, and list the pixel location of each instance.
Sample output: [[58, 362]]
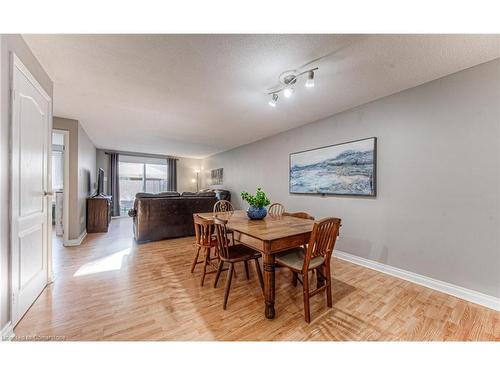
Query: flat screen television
[[100, 182]]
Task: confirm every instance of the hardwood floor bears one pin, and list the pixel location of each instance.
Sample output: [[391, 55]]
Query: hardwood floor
[[110, 288]]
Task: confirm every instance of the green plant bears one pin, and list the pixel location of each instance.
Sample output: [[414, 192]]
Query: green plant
[[258, 200]]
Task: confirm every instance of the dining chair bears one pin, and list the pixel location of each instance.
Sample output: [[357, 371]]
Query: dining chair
[[232, 254], [276, 209], [224, 207], [300, 215], [206, 241], [316, 257]]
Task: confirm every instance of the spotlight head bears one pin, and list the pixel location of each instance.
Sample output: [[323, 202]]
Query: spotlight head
[[273, 100], [310, 79], [288, 91]]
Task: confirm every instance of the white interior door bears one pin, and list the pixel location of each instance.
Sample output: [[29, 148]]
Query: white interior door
[[31, 130]]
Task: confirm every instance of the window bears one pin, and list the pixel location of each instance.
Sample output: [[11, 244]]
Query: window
[[140, 176], [156, 178]]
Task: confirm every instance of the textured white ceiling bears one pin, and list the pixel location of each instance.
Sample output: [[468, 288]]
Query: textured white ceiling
[[195, 95]]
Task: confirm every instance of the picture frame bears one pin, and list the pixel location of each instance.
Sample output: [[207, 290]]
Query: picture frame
[[342, 169], [217, 176]]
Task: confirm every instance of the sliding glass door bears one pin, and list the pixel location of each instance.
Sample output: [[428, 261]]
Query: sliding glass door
[[136, 177]]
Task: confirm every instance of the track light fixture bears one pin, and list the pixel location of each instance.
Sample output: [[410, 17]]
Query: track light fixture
[[288, 80]]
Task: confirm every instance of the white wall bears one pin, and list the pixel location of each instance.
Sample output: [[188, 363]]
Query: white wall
[[438, 185], [10, 44]]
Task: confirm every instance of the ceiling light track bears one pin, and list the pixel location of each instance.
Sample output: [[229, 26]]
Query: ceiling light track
[[288, 79]]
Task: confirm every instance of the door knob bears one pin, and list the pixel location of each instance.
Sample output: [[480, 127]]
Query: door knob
[[48, 193]]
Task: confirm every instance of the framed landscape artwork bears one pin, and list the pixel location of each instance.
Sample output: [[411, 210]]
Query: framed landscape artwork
[[342, 169]]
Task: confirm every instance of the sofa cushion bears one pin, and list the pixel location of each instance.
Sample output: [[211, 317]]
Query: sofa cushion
[[206, 194], [164, 194], [169, 194], [199, 194], [223, 194]]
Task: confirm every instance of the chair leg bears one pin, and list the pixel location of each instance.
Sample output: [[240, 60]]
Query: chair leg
[[328, 287], [219, 270], [305, 289], [207, 257], [259, 274], [320, 280], [246, 269], [228, 284], [294, 278], [195, 261]]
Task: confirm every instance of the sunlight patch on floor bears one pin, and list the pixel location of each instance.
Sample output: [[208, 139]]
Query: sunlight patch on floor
[[111, 262]]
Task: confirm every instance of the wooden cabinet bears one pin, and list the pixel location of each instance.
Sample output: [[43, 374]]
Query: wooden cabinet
[[98, 213]]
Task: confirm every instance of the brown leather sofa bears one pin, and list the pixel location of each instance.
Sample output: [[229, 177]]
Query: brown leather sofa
[[221, 194], [168, 215]]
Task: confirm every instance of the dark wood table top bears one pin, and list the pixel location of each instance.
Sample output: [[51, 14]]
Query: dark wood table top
[[269, 229]]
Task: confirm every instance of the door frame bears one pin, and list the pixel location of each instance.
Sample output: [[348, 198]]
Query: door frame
[[15, 62], [65, 133]]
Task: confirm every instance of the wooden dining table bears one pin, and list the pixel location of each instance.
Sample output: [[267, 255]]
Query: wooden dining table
[[269, 236]]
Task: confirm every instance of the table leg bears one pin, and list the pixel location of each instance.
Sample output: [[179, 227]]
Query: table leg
[[268, 260]]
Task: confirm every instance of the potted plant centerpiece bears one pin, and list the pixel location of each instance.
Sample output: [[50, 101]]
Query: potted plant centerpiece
[[257, 202]]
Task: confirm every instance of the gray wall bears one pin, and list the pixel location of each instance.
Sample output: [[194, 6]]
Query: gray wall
[[186, 173], [72, 190], [82, 173], [437, 209], [9, 44], [87, 175], [102, 161]]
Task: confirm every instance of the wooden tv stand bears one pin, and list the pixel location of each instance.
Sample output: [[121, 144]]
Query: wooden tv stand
[[98, 213]]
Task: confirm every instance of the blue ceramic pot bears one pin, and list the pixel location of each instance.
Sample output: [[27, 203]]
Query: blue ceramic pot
[[256, 213]]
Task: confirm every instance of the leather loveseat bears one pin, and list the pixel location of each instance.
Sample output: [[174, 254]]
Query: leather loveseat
[[168, 215]]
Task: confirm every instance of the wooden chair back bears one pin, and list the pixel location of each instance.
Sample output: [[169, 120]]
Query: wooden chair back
[[221, 232], [276, 209], [203, 230], [223, 206], [300, 215], [322, 240]]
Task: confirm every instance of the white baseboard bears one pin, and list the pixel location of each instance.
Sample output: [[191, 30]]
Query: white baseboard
[[451, 289], [76, 241], [7, 332]]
